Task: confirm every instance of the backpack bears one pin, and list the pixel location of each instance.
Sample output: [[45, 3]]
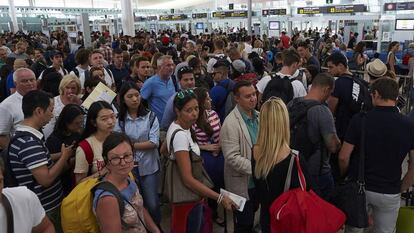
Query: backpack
[[87, 150], [229, 103], [361, 98], [278, 87], [301, 211], [9, 177], [299, 136], [77, 211]]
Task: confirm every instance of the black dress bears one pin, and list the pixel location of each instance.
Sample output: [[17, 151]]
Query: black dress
[[272, 187], [54, 145]]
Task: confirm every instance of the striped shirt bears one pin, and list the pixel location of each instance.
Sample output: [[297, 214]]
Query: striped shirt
[[201, 136], [27, 153]]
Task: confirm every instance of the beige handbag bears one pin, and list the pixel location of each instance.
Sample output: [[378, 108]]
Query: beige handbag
[[174, 188]]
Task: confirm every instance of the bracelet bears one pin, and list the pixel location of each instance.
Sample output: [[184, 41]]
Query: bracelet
[[220, 198]]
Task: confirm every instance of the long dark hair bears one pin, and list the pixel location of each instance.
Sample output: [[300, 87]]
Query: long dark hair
[[392, 44], [67, 116], [123, 108], [94, 109], [202, 121]]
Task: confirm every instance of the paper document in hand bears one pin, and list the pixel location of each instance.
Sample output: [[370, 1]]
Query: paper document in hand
[[239, 200], [101, 92]]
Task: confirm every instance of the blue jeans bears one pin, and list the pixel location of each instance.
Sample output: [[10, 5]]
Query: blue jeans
[[195, 219], [149, 189]]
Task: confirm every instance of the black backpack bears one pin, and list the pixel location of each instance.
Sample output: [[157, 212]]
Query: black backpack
[[278, 87], [299, 136], [9, 177], [361, 99]]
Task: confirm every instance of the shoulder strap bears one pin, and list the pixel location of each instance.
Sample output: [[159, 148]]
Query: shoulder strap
[[121, 124], [151, 120], [109, 72], [76, 71], [289, 174], [361, 167], [9, 213], [87, 149], [109, 187], [172, 139]]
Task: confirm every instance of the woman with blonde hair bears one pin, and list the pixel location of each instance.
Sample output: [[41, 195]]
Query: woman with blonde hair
[[271, 157], [69, 90]]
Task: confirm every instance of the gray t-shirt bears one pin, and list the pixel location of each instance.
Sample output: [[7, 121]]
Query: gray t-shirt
[[321, 126]]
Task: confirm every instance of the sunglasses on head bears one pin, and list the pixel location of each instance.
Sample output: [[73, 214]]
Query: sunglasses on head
[[184, 93]]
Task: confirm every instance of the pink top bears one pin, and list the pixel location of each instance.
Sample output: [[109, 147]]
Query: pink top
[[201, 136]]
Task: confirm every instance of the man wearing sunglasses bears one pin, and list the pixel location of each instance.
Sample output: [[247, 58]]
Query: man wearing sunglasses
[[221, 94], [186, 79]]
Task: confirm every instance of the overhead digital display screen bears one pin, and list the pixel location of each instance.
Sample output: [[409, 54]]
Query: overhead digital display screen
[[267, 12], [230, 14], [274, 25], [404, 24]]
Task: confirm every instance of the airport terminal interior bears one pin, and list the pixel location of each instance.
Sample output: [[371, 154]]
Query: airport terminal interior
[[202, 116]]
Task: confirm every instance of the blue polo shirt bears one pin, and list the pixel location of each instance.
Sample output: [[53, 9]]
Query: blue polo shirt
[[157, 92]]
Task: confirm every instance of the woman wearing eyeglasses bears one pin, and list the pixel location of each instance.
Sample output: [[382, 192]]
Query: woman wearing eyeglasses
[[142, 127], [117, 153], [187, 109]]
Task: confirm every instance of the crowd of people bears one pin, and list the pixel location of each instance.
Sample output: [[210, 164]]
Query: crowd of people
[[229, 99]]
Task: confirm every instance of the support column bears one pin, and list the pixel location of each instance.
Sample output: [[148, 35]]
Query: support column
[[86, 29], [249, 17], [127, 18], [13, 17]]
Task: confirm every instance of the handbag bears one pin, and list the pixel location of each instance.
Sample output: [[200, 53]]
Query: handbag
[[174, 188], [349, 196]]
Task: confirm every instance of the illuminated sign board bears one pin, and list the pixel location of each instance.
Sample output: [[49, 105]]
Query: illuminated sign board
[[172, 17], [311, 10], [346, 9], [399, 6], [267, 12], [199, 15], [230, 14], [339, 9]]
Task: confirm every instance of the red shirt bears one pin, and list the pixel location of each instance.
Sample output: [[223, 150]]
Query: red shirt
[[285, 41]]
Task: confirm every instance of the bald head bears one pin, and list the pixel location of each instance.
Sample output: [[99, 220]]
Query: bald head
[[25, 80]]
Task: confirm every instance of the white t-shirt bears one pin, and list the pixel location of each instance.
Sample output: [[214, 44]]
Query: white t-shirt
[[62, 71], [11, 113], [298, 88], [81, 164], [27, 210], [81, 75], [182, 140], [58, 107]]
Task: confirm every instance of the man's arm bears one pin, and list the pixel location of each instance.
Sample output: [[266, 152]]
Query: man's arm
[[45, 176], [344, 157], [332, 103], [230, 145], [4, 141], [408, 179], [45, 226]]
